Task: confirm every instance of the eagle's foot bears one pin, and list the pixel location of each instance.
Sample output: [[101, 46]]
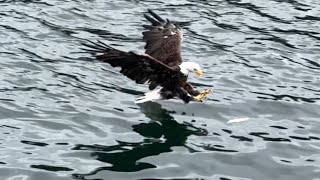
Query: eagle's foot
[[203, 95], [206, 92]]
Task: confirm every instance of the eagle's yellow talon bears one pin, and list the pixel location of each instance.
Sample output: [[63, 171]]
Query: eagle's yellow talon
[[203, 95], [206, 91], [198, 98]]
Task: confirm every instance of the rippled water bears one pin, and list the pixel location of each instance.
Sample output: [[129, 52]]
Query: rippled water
[[64, 117]]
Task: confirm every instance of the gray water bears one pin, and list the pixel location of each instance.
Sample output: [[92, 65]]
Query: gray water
[[63, 116]]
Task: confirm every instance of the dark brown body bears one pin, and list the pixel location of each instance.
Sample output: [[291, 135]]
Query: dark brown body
[[179, 88]]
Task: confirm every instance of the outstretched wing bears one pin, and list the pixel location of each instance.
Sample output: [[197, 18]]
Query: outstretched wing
[[163, 39], [140, 68]]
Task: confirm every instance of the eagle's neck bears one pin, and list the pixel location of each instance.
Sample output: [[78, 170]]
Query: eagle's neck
[[184, 72], [184, 69]]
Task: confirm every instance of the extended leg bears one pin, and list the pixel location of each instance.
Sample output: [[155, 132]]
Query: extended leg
[[183, 94], [193, 92], [198, 96]]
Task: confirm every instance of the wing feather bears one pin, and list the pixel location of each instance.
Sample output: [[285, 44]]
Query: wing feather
[[140, 68], [163, 39]]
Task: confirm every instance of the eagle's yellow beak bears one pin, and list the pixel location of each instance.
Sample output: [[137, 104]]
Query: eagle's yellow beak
[[199, 72]]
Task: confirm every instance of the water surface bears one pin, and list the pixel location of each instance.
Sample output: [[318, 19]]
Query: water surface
[[63, 116]]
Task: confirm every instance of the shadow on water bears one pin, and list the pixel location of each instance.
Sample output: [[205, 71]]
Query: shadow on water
[[125, 156]]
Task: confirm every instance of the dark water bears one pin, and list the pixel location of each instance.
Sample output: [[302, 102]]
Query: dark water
[[62, 117]]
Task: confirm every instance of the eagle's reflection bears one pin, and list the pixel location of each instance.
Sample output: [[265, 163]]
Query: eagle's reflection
[[163, 124], [125, 156]]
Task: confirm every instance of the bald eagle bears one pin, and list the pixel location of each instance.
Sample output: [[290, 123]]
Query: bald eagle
[[161, 65]]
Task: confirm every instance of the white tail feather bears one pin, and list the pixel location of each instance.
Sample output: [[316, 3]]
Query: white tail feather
[[149, 96]]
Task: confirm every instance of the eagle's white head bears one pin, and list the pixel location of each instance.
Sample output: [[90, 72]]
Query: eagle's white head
[[186, 67]]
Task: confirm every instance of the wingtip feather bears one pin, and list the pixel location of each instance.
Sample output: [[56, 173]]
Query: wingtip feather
[[95, 47]]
